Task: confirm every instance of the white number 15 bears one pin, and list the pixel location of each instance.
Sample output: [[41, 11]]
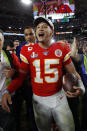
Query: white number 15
[[48, 71]]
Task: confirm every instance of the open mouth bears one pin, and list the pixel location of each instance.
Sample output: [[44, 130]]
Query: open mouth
[[41, 34]]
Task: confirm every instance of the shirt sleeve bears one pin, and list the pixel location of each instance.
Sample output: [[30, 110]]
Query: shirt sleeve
[[67, 54], [24, 61], [23, 68], [16, 62], [16, 82]]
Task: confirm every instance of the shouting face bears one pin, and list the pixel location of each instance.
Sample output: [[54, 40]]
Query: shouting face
[[44, 33]]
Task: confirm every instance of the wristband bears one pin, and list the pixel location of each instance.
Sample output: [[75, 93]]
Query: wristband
[[81, 86], [5, 91]]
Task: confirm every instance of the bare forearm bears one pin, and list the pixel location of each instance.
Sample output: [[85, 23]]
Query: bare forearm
[[71, 69], [74, 47], [74, 51]]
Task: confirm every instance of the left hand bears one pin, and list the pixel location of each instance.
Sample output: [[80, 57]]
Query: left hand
[[75, 94], [8, 72], [6, 99]]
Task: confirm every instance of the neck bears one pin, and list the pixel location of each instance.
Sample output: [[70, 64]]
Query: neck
[[30, 42], [44, 45]]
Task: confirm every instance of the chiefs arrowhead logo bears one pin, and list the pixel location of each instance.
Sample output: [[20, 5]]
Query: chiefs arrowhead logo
[[58, 53]]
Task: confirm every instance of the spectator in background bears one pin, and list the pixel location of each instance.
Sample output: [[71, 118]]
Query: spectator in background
[[29, 36], [8, 45], [84, 98], [16, 43], [7, 121], [74, 102], [82, 58], [61, 8]]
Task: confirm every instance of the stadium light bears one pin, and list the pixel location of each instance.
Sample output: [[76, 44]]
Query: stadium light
[[9, 27], [27, 2]]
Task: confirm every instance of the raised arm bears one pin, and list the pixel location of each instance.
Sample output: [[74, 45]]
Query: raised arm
[[74, 50]]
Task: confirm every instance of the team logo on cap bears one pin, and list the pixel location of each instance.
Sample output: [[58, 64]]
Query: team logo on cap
[[58, 53]]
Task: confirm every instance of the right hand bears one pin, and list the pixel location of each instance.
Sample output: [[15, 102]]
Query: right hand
[[6, 99], [75, 42]]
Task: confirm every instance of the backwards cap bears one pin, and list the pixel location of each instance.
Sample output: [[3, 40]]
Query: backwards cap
[[42, 19]]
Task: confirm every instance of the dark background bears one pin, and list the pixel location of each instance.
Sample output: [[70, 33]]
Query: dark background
[[14, 14]]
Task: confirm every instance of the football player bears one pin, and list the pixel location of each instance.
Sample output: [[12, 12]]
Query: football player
[[62, 8], [45, 61]]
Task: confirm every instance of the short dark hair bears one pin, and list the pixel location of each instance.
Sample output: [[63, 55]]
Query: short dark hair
[[29, 27], [8, 43], [1, 31], [16, 41]]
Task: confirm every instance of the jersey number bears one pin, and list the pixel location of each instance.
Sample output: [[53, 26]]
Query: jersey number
[[47, 70]]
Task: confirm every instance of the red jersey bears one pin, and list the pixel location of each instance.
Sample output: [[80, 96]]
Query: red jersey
[[45, 66], [64, 9]]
